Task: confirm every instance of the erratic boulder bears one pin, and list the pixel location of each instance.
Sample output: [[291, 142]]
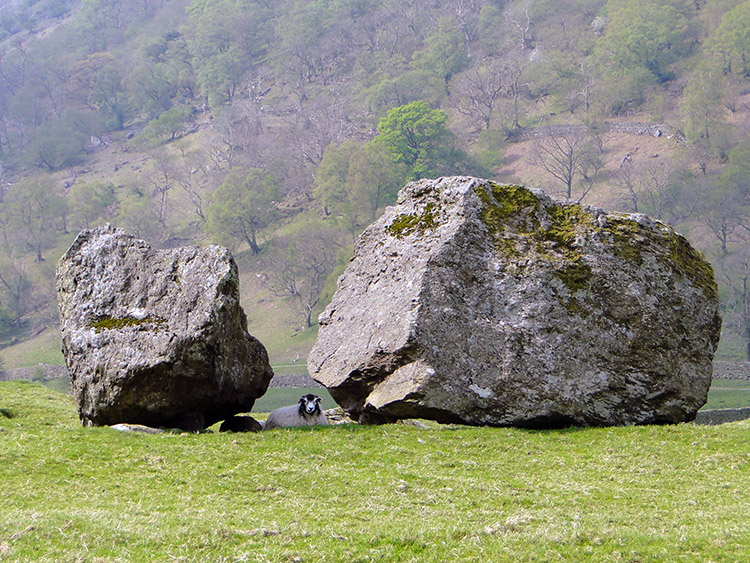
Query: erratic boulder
[[156, 337], [487, 304]]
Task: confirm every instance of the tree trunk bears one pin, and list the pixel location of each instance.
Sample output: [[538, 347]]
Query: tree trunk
[[253, 243]]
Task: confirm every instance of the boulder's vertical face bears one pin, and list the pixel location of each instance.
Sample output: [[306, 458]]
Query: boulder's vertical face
[[156, 337], [492, 304]]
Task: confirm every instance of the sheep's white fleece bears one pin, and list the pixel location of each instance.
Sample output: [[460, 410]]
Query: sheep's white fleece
[[285, 417]]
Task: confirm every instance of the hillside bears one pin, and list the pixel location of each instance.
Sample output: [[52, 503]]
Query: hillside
[[283, 130]]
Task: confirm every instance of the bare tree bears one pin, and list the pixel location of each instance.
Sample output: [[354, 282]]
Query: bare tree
[[477, 92], [15, 282], [628, 180], [300, 265], [522, 25], [234, 139], [723, 210], [734, 272], [161, 178], [319, 124], [566, 157], [192, 176]]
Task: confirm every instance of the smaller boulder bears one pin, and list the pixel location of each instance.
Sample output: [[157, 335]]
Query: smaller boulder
[[156, 337]]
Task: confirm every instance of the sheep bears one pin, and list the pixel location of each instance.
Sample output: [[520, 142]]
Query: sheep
[[306, 412]]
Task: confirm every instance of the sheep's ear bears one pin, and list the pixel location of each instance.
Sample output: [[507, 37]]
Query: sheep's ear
[[301, 400], [317, 399]]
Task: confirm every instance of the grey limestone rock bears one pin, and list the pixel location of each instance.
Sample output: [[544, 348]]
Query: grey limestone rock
[[155, 337], [486, 304]]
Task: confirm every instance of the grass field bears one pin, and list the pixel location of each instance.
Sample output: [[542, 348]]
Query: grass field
[[350, 493]]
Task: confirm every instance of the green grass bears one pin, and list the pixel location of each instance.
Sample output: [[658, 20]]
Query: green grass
[[350, 493], [728, 393]]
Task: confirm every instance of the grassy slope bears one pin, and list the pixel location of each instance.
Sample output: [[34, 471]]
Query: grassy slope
[[269, 317], [394, 493]]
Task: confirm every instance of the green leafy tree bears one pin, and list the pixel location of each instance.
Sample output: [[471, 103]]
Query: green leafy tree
[[652, 35], [167, 125], [303, 48], [332, 175], [137, 214], [96, 82], [54, 145], [375, 177], [354, 181], [177, 69], [99, 22], [444, 52], [702, 110], [226, 40], [148, 88], [417, 136], [731, 43], [90, 202], [33, 211], [243, 205]]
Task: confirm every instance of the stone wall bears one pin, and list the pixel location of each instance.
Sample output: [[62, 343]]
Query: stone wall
[[293, 381], [45, 370], [623, 127], [720, 416], [732, 370]]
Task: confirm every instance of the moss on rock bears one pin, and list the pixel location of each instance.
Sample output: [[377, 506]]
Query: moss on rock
[[631, 239], [408, 223], [690, 263], [504, 201], [119, 323], [628, 237]]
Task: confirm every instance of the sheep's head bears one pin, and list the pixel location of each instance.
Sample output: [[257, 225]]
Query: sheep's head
[[309, 405]]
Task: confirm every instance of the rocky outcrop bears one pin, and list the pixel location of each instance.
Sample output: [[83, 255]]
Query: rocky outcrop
[[491, 304], [155, 337]]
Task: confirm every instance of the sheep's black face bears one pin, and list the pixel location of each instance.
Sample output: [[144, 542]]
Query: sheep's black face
[[309, 404]]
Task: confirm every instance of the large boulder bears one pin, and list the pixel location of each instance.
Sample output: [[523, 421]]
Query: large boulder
[[156, 337], [487, 304]]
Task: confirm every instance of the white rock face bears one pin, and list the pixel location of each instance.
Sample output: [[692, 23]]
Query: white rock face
[[486, 304], [156, 337]]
